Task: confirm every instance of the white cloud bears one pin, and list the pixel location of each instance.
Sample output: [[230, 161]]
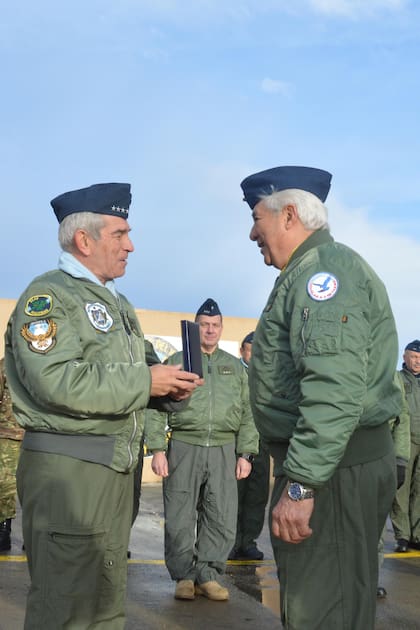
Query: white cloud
[[274, 86], [393, 256], [356, 8]]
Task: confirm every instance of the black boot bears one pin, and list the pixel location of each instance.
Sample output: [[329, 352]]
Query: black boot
[[5, 529]]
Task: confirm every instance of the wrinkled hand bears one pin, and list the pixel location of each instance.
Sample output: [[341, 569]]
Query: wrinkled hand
[[400, 475], [172, 380], [243, 468], [160, 464], [290, 519]]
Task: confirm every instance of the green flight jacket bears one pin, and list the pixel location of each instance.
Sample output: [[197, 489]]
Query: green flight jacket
[[412, 393], [77, 370], [218, 412], [323, 357], [400, 426]]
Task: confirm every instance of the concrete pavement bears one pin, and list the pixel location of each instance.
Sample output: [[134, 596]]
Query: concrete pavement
[[254, 589]]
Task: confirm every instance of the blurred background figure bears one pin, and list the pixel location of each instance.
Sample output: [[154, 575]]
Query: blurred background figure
[[11, 435], [405, 513], [253, 491]]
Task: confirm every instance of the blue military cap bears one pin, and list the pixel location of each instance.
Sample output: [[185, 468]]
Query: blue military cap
[[313, 180], [248, 339], [209, 307], [112, 199], [413, 345]]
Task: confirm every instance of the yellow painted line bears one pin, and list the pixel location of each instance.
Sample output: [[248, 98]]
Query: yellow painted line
[[236, 563], [6, 558]]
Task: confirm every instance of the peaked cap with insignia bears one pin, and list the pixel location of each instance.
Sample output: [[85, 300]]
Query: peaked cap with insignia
[[313, 180], [112, 199], [209, 307]]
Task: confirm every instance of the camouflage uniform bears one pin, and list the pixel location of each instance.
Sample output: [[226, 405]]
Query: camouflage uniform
[[10, 437]]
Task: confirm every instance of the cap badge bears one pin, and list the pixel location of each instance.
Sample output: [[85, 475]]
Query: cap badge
[[99, 316], [322, 286]]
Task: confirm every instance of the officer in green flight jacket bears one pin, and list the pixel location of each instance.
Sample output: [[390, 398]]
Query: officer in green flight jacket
[[322, 393], [81, 376]]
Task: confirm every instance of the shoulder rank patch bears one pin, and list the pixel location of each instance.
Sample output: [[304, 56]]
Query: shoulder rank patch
[[38, 305], [99, 316], [322, 286], [40, 335]]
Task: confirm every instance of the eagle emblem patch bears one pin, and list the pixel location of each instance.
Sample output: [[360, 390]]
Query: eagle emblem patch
[[322, 286], [40, 335]]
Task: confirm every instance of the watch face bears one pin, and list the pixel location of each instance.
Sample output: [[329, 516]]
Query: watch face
[[295, 491]]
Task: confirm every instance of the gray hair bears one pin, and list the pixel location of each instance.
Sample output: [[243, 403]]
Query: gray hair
[[88, 221], [311, 210]]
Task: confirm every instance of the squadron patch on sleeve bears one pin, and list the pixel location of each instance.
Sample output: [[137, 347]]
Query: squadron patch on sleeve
[[99, 316], [38, 305], [40, 335], [322, 286]]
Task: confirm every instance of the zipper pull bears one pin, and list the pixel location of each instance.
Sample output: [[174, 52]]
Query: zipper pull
[[126, 323]]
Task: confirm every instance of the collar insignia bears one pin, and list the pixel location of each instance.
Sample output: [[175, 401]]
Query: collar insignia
[[40, 335], [38, 305], [99, 316], [322, 286]]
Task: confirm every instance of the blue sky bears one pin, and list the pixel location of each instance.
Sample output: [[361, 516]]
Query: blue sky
[[183, 99]]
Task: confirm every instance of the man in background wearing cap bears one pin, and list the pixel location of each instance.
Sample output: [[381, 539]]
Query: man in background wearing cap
[[321, 389], [200, 468], [253, 491], [405, 514], [77, 368]]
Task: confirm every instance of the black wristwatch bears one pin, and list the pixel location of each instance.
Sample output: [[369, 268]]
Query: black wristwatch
[[298, 492], [248, 456]]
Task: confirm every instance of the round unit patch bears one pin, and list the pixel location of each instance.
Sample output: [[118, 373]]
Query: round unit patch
[[322, 286], [99, 316]]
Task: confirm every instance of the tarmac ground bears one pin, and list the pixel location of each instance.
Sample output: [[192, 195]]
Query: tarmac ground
[[253, 586]]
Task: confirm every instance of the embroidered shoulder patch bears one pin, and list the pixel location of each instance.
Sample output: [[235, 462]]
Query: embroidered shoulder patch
[[38, 305], [40, 335], [99, 316], [322, 286]]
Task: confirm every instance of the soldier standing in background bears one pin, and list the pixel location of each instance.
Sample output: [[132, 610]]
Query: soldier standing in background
[[11, 435], [253, 491]]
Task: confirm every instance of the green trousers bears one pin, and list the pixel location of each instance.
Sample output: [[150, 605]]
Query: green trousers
[[76, 519], [329, 581], [200, 502], [405, 513], [252, 498]]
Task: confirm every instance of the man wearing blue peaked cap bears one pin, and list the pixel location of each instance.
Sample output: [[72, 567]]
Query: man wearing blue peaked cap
[[322, 392], [85, 377]]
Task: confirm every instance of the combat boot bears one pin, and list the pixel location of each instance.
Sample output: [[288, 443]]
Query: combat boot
[[5, 529]]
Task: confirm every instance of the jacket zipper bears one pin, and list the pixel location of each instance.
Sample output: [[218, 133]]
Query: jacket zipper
[[209, 370], [127, 329], [305, 317]]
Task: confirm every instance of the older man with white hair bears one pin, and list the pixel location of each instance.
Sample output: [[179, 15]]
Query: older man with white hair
[[322, 392]]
